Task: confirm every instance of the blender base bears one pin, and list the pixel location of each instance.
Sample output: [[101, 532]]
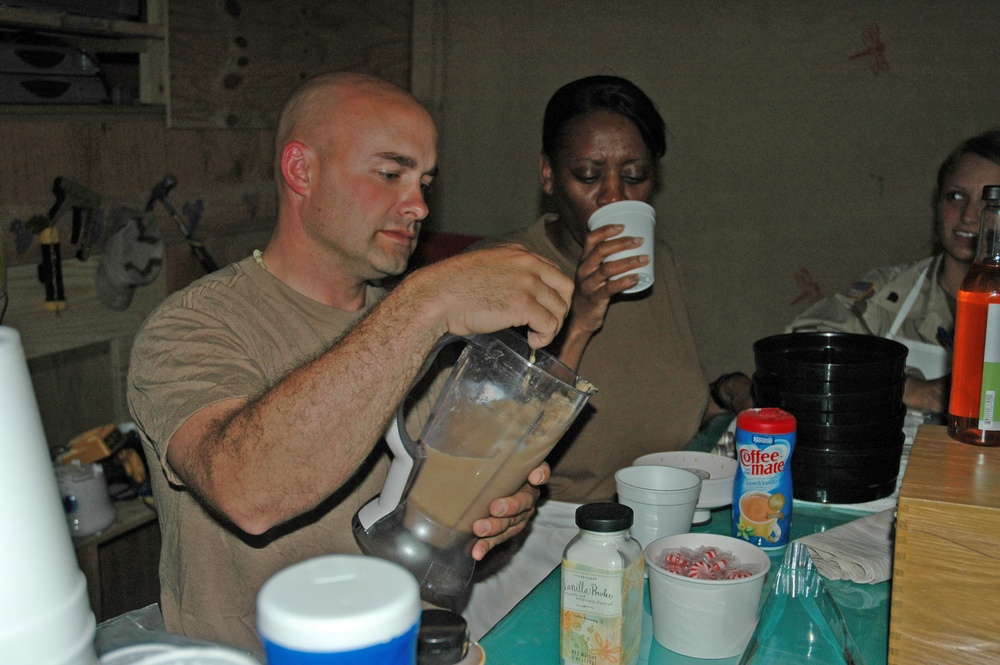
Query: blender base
[[440, 571]]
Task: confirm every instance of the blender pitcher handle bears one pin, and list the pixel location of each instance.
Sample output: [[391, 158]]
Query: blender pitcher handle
[[406, 460], [407, 454]]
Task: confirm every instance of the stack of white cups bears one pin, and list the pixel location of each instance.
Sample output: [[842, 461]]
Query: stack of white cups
[[45, 615]]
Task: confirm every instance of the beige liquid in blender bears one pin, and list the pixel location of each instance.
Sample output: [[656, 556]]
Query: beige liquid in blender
[[454, 489]]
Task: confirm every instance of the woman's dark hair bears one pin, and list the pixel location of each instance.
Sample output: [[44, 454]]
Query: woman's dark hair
[[603, 93], [985, 145]]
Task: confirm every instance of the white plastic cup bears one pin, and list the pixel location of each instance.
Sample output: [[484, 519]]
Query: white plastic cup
[[705, 618], [45, 615], [716, 486], [639, 219], [340, 610], [662, 499]]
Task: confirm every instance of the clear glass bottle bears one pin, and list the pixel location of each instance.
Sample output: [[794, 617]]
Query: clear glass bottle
[[973, 411], [602, 589]]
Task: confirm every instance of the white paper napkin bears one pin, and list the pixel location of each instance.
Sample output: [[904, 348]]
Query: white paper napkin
[[860, 551]]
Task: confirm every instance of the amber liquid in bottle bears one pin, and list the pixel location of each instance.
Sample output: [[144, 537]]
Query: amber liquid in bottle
[[980, 289]]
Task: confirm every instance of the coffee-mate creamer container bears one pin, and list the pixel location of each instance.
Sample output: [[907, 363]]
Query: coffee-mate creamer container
[[762, 491]]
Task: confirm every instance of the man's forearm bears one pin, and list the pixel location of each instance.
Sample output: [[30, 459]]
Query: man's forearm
[[284, 452]]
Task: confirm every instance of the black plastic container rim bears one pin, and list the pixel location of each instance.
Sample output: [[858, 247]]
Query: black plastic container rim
[[890, 401], [885, 448], [797, 355], [808, 436], [836, 418], [863, 389], [840, 494]]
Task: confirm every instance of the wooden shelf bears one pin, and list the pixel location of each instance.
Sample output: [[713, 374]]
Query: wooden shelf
[[132, 514], [71, 24], [145, 39], [33, 112]]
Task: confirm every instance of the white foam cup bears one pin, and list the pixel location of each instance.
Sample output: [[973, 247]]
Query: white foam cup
[[639, 219], [340, 610], [704, 618], [662, 499], [45, 615]]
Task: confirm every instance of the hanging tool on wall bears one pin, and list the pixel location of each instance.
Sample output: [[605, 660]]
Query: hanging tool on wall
[[83, 203], [160, 192], [86, 206]]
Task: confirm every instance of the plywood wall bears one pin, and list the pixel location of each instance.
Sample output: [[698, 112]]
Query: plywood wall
[[231, 65], [804, 137], [237, 61]]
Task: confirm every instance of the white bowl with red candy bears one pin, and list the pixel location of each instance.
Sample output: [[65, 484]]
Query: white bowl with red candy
[[704, 592]]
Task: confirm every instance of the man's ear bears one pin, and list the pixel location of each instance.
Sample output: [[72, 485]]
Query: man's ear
[[545, 173], [296, 158]]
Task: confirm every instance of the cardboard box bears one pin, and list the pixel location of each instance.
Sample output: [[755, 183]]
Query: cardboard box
[[946, 571]]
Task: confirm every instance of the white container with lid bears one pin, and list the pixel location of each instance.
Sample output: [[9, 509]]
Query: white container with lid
[[85, 498], [166, 654], [349, 609]]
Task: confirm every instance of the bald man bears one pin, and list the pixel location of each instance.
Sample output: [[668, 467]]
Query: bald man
[[261, 391]]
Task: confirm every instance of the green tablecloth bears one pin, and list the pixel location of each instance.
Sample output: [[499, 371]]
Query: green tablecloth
[[529, 635]]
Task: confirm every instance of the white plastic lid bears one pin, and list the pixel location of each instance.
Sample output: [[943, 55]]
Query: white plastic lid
[[164, 654], [338, 603]]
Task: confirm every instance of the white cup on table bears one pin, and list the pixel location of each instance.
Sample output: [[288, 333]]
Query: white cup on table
[[662, 499]]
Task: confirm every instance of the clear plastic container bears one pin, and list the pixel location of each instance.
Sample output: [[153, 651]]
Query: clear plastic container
[[800, 598]]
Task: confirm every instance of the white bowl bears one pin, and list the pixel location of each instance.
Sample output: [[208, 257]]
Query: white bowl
[[705, 618], [716, 490]]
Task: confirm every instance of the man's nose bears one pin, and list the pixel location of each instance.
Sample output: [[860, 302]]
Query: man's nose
[[415, 205]]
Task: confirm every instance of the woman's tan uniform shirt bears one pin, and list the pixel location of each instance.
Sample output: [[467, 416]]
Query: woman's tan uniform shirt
[[232, 334], [870, 306], [651, 387]]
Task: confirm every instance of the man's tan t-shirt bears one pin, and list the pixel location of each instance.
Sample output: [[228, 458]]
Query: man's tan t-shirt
[[232, 334]]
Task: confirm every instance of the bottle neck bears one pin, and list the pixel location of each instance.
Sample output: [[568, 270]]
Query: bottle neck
[[988, 245], [604, 535]]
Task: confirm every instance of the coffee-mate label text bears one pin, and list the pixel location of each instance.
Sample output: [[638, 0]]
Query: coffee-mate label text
[[762, 490]]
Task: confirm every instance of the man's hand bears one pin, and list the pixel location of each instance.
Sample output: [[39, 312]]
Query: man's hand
[[509, 515], [730, 393], [924, 395], [486, 290]]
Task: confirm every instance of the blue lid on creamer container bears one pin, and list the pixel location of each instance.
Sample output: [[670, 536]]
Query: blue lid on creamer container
[[342, 609]]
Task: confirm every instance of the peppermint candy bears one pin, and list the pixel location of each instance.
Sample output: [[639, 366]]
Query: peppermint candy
[[704, 563]]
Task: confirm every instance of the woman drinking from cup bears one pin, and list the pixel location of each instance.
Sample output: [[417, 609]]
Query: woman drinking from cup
[[602, 140]]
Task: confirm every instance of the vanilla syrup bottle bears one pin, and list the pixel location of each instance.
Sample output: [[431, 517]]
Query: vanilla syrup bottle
[[602, 589], [973, 411]]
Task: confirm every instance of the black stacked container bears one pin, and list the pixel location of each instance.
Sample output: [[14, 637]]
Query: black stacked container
[[846, 393]]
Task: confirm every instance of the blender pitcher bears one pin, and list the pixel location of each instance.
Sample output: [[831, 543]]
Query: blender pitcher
[[500, 412]]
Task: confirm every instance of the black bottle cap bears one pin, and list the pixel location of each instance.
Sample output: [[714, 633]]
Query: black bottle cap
[[991, 193], [443, 638], [604, 517]]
